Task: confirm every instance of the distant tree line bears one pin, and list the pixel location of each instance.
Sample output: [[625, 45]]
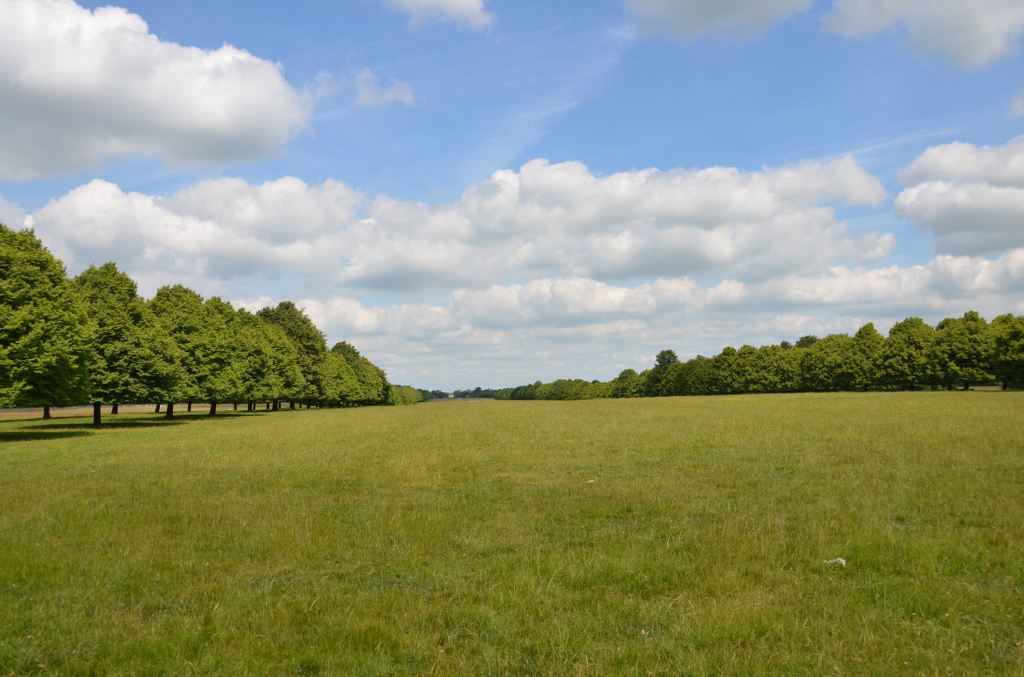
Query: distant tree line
[[93, 340], [477, 393], [956, 353]]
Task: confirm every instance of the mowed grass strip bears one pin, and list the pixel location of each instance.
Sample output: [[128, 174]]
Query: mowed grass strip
[[676, 535]]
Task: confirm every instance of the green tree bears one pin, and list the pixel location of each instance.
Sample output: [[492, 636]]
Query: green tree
[[309, 342], [373, 383], [1008, 349], [341, 385], [905, 363], [627, 384], [831, 364], [45, 342], [962, 351], [203, 341], [656, 385], [133, 359], [870, 346], [225, 371], [806, 341]]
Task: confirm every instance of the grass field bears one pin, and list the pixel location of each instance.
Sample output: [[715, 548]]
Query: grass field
[[677, 535]]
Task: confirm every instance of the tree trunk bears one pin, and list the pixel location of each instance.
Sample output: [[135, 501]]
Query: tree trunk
[[291, 405], [236, 406], [1006, 385], [267, 408], [47, 417], [158, 407], [97, 415], [170, 410], [213, 408], [189, 410], [113, 409]]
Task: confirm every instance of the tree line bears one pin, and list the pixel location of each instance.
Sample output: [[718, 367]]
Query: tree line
[[956, 353], [93, 340]]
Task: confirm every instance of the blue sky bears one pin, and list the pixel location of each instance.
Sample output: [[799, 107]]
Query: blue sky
[[482, 192]]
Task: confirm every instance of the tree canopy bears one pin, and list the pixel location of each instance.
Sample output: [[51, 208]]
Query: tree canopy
[[95, 340], [959, 352]]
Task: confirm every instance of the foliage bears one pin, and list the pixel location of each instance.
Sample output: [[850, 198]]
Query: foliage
[[95, 340], [962, 351], [133, 358], [45, 339]]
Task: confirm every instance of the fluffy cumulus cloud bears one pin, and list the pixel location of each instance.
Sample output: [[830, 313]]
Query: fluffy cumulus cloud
[[529, 264], [486, 336], [971, 34], [80, 86], [370, 93], [471, 13], [560, 218], [216, 235], [693, 18], [11, 214], [970, 198], [546, 220]]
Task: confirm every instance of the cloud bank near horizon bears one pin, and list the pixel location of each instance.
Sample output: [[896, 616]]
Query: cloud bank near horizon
[[529, 261]]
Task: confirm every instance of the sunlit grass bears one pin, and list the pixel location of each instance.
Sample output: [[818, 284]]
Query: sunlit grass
[[678, 535]]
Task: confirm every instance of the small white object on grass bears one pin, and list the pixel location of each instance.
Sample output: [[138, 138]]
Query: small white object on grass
[[837, 562]]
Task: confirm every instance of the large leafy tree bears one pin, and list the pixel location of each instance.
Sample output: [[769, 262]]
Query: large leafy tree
[[904, 362], [45, 340], [134, 359], [869, 345], [203, 341], [962, 351], [628, 384], [657, 382], [341, 385], [373, 383], [309, 342], [1008, 349], [833, 363]]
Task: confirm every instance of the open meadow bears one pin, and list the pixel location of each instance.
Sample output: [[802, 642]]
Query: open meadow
[[666, 536]]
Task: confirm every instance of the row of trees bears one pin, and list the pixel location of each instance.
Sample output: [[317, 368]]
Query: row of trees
[[956, 353], [93, 339]]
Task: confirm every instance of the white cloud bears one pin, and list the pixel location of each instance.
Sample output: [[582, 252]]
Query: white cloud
[[998, 165], [557, 304], [370, 93], [972, 33], [514, 333], [971, 199], [11, 214], [546, 220], [693, 18], [78, 87], [216, 235], [526, 266], [471, 13], [560, 218]]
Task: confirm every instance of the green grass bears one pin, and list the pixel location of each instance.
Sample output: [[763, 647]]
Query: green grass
[[681, 535]]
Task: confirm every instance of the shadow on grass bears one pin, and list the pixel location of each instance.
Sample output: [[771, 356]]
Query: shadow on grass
[[38, 436], [108, 424], [113, 422]]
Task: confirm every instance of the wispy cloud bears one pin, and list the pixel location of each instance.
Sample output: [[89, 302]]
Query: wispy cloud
[[371, 93]]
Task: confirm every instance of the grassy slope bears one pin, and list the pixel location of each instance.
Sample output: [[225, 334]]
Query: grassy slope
[[662, 535]]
